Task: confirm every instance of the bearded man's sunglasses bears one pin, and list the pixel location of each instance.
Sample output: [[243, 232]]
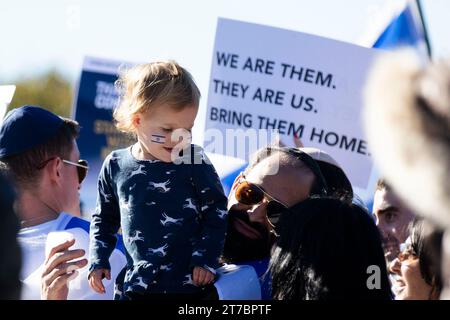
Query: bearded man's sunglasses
[[249, 193]]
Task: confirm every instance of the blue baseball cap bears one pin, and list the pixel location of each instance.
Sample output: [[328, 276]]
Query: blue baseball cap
[[25, 128]]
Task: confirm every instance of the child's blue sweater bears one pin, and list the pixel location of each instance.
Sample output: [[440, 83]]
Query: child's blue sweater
[[173, 217]]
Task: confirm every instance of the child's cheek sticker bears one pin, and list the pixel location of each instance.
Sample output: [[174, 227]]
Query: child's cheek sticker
[[156, 138]]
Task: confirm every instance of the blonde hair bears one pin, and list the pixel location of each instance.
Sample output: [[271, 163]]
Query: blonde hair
[[150, 84]]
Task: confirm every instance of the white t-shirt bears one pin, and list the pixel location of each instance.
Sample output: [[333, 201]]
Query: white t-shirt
[[33, 241]]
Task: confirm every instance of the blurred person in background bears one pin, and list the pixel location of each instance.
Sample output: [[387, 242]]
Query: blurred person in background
[[407, 121], [418, 264]]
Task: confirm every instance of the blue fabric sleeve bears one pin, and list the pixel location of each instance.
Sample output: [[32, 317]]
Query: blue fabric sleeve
[[213, 207]]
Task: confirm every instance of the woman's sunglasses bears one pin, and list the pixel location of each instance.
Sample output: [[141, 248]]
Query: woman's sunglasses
[[406, 253], [82, 167], [250, 194]]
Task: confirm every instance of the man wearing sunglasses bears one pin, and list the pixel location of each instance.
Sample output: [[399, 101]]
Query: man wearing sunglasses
[[40, 152], [277, 178]]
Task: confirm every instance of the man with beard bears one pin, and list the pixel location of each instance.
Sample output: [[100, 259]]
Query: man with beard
[[392, 219]]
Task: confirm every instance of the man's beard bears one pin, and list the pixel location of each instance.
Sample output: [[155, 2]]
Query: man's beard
[[245, 240]]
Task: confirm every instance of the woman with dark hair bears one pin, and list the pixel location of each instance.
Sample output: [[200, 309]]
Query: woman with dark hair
[[417, 267], [328, 249]]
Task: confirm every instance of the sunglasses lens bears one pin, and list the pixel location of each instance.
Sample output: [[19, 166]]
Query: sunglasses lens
[[248, 194], [406, 253], [274, 207], [82, 172]]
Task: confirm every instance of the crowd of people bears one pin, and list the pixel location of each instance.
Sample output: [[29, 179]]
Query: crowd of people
[[292, 227]]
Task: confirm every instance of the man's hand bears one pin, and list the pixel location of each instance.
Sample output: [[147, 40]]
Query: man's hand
[[202, 277], [58, 271], [95, 279]]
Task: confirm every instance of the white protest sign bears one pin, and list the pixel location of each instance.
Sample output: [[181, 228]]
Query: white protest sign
[[269, 78], [6, 95]]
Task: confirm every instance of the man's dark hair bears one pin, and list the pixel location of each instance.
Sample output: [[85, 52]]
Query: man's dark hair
[[24, 166], [323, 252]]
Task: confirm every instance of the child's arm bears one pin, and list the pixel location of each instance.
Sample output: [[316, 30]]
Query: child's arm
[[104, 225], [213, 205]]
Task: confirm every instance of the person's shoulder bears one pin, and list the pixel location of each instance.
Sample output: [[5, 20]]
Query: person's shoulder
[[238, 282], [260, 266]]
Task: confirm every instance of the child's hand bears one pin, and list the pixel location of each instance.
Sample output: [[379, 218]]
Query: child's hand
[[202, 277], [95, 279]]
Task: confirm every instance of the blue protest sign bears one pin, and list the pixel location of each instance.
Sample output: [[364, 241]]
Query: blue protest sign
[[94, 104]]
